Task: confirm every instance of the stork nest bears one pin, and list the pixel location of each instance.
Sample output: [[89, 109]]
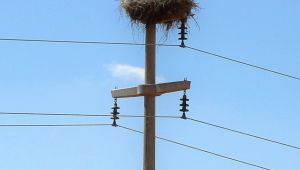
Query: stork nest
[[165, 12]]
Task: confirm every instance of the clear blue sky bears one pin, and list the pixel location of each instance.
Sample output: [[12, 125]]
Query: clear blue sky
[[66, 78]]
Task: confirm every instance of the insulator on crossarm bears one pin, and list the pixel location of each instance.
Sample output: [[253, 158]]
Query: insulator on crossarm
[[184, 105], [115, 113]]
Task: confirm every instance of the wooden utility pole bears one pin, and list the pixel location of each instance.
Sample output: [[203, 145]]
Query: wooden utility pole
[[149, 101], [150, 90]]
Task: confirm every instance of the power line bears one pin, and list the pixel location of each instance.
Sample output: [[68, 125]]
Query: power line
[[82, 42], [51, 125], [225, 128], [198, 149], [244, 63], [137, 116], [143, 44], [55, 114], [157, 116], [82, 115], [244, 133]]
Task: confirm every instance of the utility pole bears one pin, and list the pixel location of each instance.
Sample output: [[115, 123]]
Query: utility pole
[[149, 91], [149, 101]]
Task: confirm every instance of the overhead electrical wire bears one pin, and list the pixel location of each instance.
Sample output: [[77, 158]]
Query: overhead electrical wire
[[244, 133], [81, 115], [54, 114], [158, 116], [198, 149], [158, 137], [51, 125], [142, 44], [82, 42], [244, 63]]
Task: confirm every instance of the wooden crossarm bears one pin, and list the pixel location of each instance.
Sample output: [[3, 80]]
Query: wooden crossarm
[[151, 89]]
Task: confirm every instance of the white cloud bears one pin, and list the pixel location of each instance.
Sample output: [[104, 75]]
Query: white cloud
[[128, 72]]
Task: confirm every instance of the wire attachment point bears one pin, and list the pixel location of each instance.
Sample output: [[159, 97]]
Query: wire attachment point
[[115, 113]]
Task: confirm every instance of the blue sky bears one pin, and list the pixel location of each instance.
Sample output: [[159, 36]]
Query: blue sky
[[68, 78]]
